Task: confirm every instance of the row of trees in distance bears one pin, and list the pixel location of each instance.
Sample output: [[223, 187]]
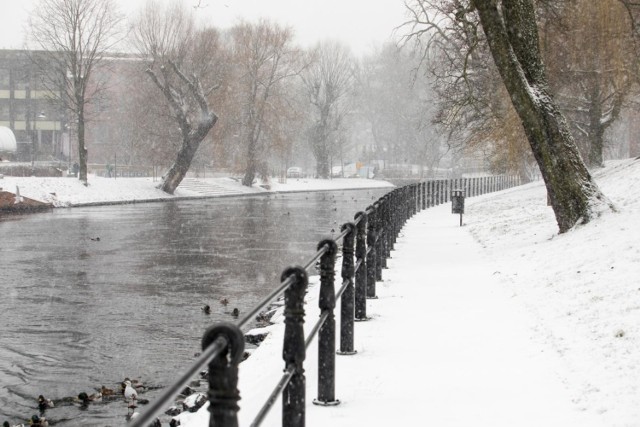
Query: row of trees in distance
[[247, 99]]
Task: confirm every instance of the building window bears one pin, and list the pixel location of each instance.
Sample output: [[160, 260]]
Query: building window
[[5, 79], [4, 110]]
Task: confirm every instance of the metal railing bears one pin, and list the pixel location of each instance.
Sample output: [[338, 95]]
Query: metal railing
[[367, 243]]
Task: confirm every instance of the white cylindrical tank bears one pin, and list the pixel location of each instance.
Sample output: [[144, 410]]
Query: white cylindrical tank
[[7, 140]]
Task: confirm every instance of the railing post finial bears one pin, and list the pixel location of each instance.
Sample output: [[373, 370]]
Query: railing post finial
[[223, 374]]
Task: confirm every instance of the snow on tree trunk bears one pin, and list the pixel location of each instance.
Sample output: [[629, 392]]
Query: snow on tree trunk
[[510, 28], [180, 167], [191, 138]]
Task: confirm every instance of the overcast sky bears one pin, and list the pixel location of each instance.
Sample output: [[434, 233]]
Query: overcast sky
[[360, 23]]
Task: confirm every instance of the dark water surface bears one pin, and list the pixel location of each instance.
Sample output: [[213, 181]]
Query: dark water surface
[[78, 313]]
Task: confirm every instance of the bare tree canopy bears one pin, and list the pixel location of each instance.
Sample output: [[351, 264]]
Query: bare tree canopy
[[265, 58], [76, 34], [181, 59], [329, 82], [592, 67]]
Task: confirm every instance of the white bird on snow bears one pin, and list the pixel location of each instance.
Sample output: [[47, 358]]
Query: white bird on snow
[[129, 391]]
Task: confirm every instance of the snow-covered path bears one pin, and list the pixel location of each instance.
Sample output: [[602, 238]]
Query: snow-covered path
[[446, 346], [444, 323]]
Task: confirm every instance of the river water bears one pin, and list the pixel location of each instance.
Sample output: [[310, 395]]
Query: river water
[[89, 296]]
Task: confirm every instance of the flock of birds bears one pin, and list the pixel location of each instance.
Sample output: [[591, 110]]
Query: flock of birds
[[224, 301], [128, 389]]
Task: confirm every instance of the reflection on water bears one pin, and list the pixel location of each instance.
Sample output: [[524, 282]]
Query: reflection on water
[[93, 295]]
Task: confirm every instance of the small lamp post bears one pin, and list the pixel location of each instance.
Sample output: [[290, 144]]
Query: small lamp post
[[35, 138]]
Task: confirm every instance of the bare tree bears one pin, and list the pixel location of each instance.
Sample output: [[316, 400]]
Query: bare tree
[[265, 58], [77, 34], [329, 82], [181, 59], [594, 67]]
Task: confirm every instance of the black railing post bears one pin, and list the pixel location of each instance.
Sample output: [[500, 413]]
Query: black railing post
[[447, 190], [445, 193], [416, 189], [432, 194], [361, 273], [293, 351], [405, 204], [428, 194], [371, 253], [384, 230], [393, 209], [347, 308], [388, 226], [409, 189], [223, 374], [378, 242], [327, 334], [424, 195]]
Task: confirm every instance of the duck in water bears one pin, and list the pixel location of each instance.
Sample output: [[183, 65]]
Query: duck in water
[[36, 421], [44, 403], [107, 391]]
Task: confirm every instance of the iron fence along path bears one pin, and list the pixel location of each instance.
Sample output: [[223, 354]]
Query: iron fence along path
[[366, 245]]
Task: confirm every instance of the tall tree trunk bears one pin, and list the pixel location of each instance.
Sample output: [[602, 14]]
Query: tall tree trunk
[[250, 171], [82, 149], [513, 40], [596, 127], [596, 144], [322, 166], [180, 167], [191, 138], [322, 160]]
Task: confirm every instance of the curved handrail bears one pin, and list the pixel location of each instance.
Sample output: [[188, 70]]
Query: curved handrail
[[377, 229], [173, 390]]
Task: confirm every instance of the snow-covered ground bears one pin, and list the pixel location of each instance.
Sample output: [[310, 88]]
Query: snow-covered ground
[[501, 322], [71, 192]]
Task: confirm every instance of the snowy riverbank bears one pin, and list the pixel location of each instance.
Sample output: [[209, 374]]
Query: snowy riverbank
[[519, 327], [64, 192]]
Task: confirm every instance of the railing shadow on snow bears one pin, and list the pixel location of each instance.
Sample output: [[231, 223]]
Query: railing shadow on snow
[[367, 243]]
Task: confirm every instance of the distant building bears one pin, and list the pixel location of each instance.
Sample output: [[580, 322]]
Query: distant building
[[29, 110]]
